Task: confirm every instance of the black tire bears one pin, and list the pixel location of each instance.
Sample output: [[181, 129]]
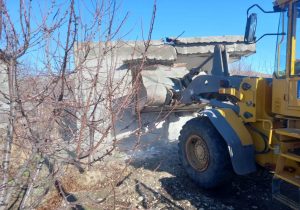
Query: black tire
[[204, 154]]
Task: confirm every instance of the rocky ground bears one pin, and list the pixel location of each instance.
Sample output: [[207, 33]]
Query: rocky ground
[[161, 183], [154, 179]]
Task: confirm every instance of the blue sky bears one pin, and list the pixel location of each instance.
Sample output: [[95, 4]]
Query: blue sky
[[196, 18], [205, 18]]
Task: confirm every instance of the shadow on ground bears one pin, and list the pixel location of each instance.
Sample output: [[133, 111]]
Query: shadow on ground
[[245, 192], [167, 186]]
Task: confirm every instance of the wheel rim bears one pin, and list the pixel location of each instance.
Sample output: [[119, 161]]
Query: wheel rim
[[197, 153]]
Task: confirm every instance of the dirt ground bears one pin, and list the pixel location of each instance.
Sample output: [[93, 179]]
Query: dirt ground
[[161, 183], [156, 180]]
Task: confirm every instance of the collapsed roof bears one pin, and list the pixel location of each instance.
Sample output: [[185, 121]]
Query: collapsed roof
[[166, 63], [191, 51]]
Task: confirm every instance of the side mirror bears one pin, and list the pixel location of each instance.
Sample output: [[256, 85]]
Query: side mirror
[[251, 29]]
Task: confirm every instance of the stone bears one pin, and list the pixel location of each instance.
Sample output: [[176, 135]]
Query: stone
[[140, 198]]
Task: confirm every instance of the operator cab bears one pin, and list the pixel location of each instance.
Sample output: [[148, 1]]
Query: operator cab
[[288, 50], [286, 80], [286, 77]]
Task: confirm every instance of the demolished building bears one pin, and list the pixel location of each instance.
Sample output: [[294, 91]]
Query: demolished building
[[165, 64], [163, 68]]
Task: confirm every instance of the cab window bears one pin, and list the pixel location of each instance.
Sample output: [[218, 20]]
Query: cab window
[[281, 47], [296, 37]]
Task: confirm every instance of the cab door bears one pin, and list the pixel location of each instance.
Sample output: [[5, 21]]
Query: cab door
[[294, 74], [294, 94], [280, 98]]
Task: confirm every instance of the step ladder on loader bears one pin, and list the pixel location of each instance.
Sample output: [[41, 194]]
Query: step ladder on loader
[[286, 181]]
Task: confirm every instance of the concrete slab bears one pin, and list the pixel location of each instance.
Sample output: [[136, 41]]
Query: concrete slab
[[114, 60], [209, 40], [130, 51], [196, 50]]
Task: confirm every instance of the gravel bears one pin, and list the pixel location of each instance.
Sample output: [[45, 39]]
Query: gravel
[[161, 183], [156, 180]]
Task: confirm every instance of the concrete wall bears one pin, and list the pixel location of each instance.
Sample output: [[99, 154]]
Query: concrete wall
[[115, 65]]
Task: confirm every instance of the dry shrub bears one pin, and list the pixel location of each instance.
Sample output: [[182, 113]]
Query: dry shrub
[[53, 127]]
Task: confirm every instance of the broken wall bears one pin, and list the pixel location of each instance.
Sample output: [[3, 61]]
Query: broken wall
[[114, 62]]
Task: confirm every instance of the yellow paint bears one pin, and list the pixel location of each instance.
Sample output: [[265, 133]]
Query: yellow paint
[[259, 142], [279, 97], [284, 97], [274, 111], [231, 91], [293, 55], [237, 125], [269, 129], [293, 101], [284, 90], [256, 100]]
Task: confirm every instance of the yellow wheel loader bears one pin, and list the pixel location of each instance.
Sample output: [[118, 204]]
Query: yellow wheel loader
[[247, 121]]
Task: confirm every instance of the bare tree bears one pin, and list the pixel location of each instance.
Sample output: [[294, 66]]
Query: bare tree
[[54, 101]]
